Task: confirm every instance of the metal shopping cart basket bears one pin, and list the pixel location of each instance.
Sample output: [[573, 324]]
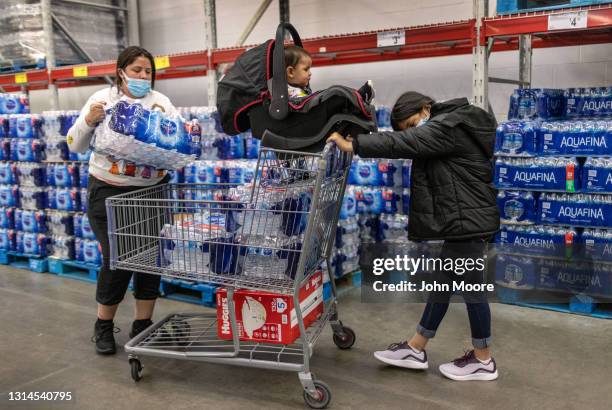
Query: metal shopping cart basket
[[271, 235]]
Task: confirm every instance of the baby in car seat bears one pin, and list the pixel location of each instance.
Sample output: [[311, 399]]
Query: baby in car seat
[[298, 63]]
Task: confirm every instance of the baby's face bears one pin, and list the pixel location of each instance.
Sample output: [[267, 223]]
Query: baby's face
[[299, 76]]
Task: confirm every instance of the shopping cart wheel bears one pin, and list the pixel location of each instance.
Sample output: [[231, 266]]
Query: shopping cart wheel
[[323, 396], [136, 367], [345, 341]]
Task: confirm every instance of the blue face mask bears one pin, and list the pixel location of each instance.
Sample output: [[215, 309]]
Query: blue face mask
[[422, 121], [137, 87]]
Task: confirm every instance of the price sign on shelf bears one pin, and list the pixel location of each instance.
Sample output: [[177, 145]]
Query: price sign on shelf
[[391, 38], [162, 62], [568, 21], [80, 71], [21, 78]]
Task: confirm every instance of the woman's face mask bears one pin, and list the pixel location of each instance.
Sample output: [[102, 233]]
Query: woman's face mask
[[136, 86], [422, 121]]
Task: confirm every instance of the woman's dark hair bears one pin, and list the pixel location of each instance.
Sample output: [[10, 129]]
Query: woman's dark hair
[[293, 54], [407, 105], [128, 56]]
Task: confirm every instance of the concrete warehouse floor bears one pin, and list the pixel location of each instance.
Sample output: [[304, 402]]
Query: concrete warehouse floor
[[547, 360]]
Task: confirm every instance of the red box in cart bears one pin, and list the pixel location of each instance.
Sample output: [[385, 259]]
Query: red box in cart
[[270, 317]]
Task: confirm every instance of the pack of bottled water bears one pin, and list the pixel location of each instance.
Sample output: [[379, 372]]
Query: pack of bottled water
[[5, 149], [145, 137], [273, 257], [31, 174], [537, 239], [597, 243], [4, 126], [7, 218], [83, 199], [14, 104], [347, 232], [25, 126], [406, 172], [80, 156], [64, 199], [230, 146], [9, 195], [60, 223], [83, 174], [251, 145], [597, 175], [276, 210], [8, 238], [543, 173], [63, 175], [588, 102], [62, 247], [82, 228], [346, 260], [369, 228], [87, 251], [516, 272], [516, 138], [383, 116], [32, 197], [575, 277], [30, 243], [590, 210], [51, 124], [375, 172], [30, 220], [348, 209], [406, 201], [533, 103], [27, 149], [8, 173], [517, 207], [580, 137], [56, 149], [394, 228], [369, 200], [66, 121]]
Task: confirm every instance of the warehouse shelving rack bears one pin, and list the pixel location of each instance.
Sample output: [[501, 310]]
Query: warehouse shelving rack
[[479, 36]]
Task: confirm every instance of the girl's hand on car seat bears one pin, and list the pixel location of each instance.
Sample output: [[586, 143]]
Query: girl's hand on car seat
[[343, 144]]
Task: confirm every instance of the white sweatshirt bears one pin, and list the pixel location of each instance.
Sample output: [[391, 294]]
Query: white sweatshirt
[[111, 170]]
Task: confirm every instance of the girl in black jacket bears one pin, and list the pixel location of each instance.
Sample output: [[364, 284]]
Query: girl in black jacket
[[452, 199]]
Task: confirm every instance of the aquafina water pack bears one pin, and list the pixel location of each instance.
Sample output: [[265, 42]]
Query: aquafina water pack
[[516, 138], [517, 206]]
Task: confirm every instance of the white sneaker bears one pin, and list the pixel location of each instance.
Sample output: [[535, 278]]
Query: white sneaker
[[402, 355], [468, 367]]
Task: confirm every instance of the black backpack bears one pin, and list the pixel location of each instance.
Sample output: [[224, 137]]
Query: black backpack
[[245, 85]]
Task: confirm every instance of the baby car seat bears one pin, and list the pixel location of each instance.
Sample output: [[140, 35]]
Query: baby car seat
[[244, 101]]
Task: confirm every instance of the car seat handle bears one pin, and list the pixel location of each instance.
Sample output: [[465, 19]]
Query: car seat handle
[[279, 106]]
